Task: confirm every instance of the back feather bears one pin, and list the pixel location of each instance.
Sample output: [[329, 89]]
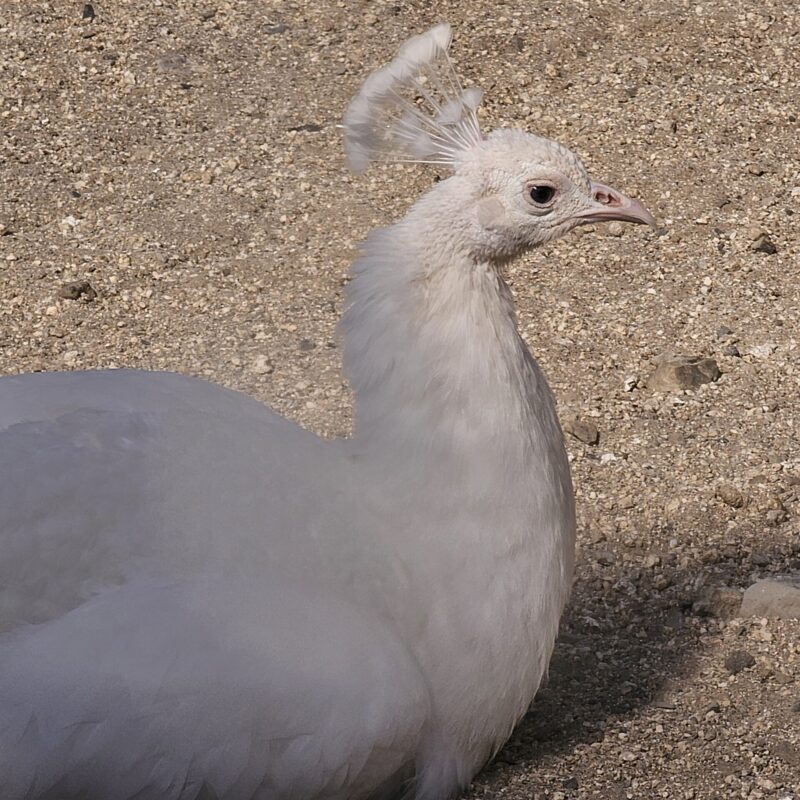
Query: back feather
[[414, 109]]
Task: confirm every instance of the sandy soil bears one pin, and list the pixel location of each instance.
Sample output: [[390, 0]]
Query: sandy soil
[[182, 158]]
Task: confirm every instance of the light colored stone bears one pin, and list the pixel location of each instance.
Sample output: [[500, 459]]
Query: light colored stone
[[776, 597], [730, 495], [683, 372], [761, 350], [262, 365], [616, 229], [585, 432]]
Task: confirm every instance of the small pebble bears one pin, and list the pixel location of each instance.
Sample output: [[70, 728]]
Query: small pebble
[[730, 495], [739, 660], [683, 372], [76, 290], [763, 244], [582, 430], [616, 229], [263, 366]]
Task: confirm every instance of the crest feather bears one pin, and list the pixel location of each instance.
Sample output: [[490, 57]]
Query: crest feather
[[413, 109]]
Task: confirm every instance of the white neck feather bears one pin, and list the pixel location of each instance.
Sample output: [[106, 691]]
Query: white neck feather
[[457, 431], [431, 344]]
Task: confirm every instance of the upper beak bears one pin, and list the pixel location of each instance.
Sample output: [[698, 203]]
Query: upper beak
[[607, 204]]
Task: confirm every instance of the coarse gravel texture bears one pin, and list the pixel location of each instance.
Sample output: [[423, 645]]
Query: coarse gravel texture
[[181, 161]]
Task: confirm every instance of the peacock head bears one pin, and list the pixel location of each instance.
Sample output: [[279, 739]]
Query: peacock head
[[521, 189], [531, 189]]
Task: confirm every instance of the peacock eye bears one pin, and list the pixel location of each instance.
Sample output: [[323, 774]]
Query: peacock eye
[[541, 194]]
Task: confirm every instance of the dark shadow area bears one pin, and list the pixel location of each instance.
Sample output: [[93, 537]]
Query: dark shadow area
[[629, 638]]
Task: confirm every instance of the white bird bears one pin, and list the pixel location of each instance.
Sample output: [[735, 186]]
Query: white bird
[[198, 599]]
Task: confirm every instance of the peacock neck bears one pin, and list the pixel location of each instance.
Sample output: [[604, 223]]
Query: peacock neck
[[432, 348], [460, 447]]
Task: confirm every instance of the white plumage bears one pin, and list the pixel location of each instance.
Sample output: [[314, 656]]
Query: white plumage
[[413, 109], [198, 599]]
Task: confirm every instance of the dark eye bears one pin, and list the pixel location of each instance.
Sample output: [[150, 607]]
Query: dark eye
[[542, 195]]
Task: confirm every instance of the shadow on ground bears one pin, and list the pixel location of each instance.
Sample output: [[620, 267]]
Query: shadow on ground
[[629, 639]]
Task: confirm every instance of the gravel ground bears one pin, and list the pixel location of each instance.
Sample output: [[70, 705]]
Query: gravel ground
[[173, 196]]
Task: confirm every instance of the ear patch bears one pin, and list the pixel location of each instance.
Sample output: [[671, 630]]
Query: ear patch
[[491, 213]]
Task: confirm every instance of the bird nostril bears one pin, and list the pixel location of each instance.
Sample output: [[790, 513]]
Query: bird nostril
[[606, 197]]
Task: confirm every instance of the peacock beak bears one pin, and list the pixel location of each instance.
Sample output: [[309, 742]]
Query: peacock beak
[[607, 204]]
